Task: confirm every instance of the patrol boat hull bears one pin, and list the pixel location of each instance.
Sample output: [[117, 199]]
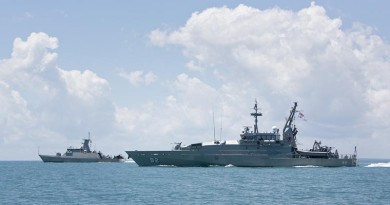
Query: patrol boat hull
[[254, 149]]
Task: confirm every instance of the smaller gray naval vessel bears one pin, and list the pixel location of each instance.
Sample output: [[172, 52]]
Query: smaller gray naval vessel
[[254, 149], [82, 154]]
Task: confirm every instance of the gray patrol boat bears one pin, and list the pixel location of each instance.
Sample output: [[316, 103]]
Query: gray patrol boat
[[254, 149], [82, 154]]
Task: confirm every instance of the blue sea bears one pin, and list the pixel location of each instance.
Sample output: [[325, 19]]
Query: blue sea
[[35, 182]]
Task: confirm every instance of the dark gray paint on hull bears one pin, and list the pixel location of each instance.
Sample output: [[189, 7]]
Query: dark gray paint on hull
[[56, 159], [192, 159]]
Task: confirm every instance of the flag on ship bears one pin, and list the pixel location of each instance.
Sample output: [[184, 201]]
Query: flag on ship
[[301, 115]]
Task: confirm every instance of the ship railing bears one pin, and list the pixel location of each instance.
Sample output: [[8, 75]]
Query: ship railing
[[341, 156]]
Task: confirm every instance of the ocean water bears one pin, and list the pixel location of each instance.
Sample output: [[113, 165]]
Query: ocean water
[[35, 182]]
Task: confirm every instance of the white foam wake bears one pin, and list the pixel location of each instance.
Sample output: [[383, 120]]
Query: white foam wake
[[306, 166], [381, 164], [129, 161]]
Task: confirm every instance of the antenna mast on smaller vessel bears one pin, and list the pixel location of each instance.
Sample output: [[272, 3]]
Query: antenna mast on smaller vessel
[[214, 126], [256, 114], [220, 132]]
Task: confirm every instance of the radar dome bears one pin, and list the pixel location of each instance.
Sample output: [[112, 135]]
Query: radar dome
[[275, 129]]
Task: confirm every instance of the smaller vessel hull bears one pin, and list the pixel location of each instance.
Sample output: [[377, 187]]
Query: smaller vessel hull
[[82, 154], [193, 159], [62, 159]]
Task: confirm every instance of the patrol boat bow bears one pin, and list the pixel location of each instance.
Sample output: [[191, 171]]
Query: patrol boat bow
[[254, 149]]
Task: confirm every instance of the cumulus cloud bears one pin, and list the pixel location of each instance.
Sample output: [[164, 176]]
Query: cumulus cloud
[[30, 59], [184, 115], [15, 116], [340, 76], [41, 102], [193, 90], [138, 77], [23, 85], [84, 85], [35, 51], [193, 66]]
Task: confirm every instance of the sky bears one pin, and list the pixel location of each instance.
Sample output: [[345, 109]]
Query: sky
[[141, 75]]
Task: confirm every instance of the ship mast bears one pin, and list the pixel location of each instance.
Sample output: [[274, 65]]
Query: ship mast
[[256, 114], [214, 127]]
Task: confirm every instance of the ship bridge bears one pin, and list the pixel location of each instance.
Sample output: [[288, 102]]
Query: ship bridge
[[260, 136], [248, 136]]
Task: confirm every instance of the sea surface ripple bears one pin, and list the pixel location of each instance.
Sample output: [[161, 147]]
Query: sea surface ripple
[[35, 182]]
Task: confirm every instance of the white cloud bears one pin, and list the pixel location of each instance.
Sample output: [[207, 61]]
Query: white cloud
[[184, 115], [29, 60], [339, 76], [138, 77], [192, 66], [157, 37], [35, 51], [23, 86], [150, 78], [38, 108], [85, 85], [194, 91], [15, 115]]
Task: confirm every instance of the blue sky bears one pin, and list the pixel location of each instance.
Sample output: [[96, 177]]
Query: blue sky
[[144, 74]]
